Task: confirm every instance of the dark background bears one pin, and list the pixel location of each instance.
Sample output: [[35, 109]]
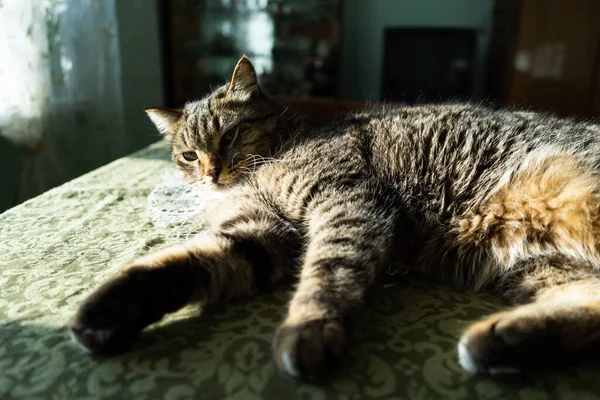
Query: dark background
[[324, 57]]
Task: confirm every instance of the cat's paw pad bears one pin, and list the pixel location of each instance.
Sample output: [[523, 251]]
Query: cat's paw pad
[[308, 349], [503, 343]]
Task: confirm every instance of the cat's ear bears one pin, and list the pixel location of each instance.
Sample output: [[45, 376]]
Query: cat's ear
[[244, 82], [165, 119]]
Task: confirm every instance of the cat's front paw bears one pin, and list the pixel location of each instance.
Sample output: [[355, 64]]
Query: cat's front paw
[[308, 349], [111, 317]]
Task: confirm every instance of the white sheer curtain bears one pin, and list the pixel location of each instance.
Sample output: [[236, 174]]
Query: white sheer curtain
[[60, 87], [24, 71]]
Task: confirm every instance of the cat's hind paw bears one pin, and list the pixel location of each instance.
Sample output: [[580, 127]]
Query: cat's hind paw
[[528, 336]]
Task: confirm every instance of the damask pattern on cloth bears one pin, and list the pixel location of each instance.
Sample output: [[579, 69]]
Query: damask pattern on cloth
[[58, 247]]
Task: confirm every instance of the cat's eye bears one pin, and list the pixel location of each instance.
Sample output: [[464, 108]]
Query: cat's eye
[[190, 156]]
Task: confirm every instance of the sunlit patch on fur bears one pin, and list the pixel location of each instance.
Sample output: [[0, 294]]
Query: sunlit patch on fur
[[550, 204], [464, 357], [98, 336], [288, 365], [77, 342]]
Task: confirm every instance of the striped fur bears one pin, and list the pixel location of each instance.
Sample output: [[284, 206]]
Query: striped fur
[[507, 201]]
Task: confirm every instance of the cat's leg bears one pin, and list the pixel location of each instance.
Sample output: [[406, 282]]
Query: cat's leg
[[561, 317], [348, 239], [249, 250]]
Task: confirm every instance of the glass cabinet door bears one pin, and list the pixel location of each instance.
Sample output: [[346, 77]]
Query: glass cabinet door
[[293, 45]]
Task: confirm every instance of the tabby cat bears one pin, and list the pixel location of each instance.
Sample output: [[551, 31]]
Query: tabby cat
[[501, 200]]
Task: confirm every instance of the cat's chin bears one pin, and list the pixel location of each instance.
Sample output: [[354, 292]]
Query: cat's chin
[[215, 187], [221, 185]]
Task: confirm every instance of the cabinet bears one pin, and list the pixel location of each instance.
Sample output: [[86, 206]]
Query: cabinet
[[556, 64], [293, 44]]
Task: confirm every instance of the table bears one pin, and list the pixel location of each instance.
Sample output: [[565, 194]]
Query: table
[[58, 247]]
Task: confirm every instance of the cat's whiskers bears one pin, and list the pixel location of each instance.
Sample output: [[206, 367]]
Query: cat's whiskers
[[231, 167], [186, 186], [182, 188], [284, 111], [258, 160], [263, 158], [246, 170]]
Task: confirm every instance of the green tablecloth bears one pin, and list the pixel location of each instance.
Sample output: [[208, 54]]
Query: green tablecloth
[[58, 247]]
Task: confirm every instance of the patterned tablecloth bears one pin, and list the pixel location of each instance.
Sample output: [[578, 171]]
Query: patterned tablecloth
[[56, 248]]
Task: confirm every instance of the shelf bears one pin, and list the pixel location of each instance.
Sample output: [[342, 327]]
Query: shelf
[[206, 40], [234, 56]]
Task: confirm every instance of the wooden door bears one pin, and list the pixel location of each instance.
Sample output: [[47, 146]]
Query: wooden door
[[555, 66]]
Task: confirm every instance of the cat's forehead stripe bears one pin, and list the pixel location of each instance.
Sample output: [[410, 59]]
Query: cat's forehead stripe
[[189, 132]]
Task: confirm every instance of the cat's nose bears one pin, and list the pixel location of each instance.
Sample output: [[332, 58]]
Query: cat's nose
[[213, 173]]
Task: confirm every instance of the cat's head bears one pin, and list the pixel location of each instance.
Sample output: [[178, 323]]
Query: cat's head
[[215, 141]]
